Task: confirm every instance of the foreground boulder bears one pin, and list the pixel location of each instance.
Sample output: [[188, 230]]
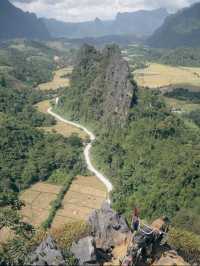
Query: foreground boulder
[[46, 254], [109, 228], [85, 250]]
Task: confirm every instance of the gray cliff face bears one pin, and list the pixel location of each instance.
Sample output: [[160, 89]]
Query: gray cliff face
[[46, 254], [119, 89], [113, 90]]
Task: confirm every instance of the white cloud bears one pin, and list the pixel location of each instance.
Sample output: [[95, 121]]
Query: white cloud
[[80, 10]]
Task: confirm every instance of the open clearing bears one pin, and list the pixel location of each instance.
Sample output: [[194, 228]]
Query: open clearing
[[161, 76], [62, 128], [85, 194], [60, 80]]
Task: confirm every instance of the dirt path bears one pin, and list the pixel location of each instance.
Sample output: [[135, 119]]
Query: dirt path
[[87, 150], [60, 127], [86, 192]]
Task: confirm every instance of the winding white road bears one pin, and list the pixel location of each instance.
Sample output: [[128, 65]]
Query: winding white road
[[87, 150]]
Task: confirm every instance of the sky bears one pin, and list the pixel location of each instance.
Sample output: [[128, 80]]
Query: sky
[[83, 10]]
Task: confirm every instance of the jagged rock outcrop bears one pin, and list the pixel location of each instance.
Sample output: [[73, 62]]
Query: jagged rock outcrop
[[102, 88], [46, 254], [170, 258], [108, 227], [85, 250], [115, 85]]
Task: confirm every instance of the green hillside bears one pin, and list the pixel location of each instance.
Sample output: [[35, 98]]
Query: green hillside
[[178, 30]]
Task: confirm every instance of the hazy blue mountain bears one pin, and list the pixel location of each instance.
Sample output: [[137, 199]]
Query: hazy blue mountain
[[180, 29], [139, 23], [14, 23]]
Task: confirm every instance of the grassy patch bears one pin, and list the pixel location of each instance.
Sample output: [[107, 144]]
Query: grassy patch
[[59, 80], [159, 75]]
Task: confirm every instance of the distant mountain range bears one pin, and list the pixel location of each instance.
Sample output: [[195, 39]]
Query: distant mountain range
[[139, 23], [180, 29], [14, 23]]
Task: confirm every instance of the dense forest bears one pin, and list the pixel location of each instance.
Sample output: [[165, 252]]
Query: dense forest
[[27, 154], [140, 55], [184, 95], [153, 161]]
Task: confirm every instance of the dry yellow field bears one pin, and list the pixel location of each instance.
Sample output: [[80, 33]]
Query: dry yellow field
[[85, 194], [58, 80], [62, 128], [37, 201], [160, 76]]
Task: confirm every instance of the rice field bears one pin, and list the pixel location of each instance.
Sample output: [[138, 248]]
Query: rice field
[[37, 200], [85, 194], [162, 76]]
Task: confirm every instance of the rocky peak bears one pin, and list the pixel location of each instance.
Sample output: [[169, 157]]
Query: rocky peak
[[119, 87], [102, 88], [108, 227], [46, 254], [111, 242]]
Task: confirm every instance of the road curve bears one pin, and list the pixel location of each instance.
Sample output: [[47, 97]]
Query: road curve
[[87, 151]]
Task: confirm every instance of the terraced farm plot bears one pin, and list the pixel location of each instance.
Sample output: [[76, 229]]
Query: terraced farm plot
[[37, 201], [85, 194], [59, 80], [161, 76], [61, 128]]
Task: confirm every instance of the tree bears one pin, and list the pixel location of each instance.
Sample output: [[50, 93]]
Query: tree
[[3, 82]]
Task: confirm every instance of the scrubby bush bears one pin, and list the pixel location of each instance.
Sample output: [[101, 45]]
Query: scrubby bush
[[194, 116], [186, 243], [57, 203], [72, 231]]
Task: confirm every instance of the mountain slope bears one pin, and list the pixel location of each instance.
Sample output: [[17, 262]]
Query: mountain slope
[[138, 23], [180, 29], [14, 23]]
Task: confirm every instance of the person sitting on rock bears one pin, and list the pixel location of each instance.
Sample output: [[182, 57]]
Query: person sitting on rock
[[135, 220]]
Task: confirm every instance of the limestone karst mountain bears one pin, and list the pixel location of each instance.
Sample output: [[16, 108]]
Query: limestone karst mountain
[[14, 23], [180, 29]]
